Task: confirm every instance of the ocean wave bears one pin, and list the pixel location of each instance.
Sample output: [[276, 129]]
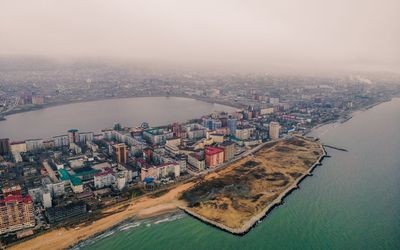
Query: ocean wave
[[129, 226], [169, 219]]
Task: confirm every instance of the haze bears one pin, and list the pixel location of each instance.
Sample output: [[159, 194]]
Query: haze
[[250, 33]]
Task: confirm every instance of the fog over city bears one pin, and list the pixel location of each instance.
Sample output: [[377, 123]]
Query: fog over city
[[199, 124], [258, 34]]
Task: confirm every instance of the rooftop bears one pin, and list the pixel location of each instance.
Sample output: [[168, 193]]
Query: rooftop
[[213, 150], [16, 198]]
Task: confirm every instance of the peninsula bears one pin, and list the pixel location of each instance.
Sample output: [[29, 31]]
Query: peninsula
[[237, 197]]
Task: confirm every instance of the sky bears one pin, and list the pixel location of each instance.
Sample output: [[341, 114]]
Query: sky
[[309, 34]]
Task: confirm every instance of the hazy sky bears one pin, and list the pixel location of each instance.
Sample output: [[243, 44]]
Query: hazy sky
[[311, 33]]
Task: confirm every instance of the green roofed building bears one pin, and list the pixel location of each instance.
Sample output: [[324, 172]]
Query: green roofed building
[[76, 183]]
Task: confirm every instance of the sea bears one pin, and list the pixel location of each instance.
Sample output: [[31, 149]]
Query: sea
[[352, 201]]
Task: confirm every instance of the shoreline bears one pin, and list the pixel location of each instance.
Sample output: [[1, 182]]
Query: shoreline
[[3, 116], [349, 116], [140, 208], [119, 227], [177, 209], [264, 213]]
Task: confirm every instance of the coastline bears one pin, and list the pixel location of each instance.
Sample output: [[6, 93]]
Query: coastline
[[258, 217], [3, 116], [141, 208], [160, 212], [144, 207]]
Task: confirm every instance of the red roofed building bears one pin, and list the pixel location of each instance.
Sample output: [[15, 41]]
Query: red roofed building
[[214, 156], [16, 213]]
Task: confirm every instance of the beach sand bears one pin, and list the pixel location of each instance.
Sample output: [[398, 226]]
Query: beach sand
[[142, 208]]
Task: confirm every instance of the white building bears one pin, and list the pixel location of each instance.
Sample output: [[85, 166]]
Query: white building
[[104, 179], [274, 129], [34, 144], [243, 133], [195, 131], [85, 137], [121, 181], [61, 141], [56, 189], [77, 150], [93, 147], [161, 171], [36, 193], [196, 161], [46, 198]]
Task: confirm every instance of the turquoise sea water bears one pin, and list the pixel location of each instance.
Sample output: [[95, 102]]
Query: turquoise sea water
[[351, 202]]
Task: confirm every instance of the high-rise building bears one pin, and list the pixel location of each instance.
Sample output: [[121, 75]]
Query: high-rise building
[[231, 124], [16, 213], [86, 137], [4, 146], [46, 198], [34, 145], [229, 150], [274, 129], [212, 124], [61, 141], [73, 136], [121, 152]]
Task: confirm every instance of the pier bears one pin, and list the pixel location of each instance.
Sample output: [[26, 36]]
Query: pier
[[336, 148]]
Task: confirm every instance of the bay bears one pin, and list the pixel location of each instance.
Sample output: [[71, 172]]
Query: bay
[[97, 115]]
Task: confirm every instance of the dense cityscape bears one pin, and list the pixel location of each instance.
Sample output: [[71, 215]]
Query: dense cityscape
[[69, 178], [204, 125]]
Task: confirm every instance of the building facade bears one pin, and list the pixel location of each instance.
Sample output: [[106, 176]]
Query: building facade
[[5, 146], [16, 213], [274, 129], [214, 156], [73, 136], [120, 152], [34, 145], [229, 150]]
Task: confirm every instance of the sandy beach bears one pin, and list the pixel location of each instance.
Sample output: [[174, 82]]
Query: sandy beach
[[142, 208]]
